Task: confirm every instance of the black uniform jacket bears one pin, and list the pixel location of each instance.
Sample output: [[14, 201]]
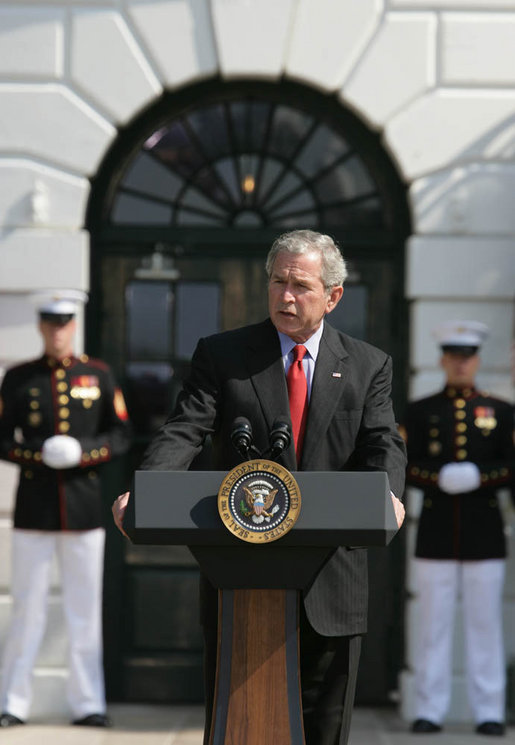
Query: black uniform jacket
[[350, 426], [76, 397], [458, 425]]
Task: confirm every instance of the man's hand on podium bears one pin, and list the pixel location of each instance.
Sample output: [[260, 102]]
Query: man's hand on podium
[[400, 512], [118, 509]]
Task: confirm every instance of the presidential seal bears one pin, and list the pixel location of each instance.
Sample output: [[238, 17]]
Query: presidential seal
[[259, 501]]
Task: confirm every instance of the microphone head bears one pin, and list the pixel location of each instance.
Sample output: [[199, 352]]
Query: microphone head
[[280, 434], [241, 434]]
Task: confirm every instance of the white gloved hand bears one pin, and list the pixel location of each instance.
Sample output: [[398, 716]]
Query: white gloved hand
[[61, 451], [455, 478]]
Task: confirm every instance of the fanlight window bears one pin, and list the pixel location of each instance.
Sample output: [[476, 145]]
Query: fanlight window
[[247, 163]]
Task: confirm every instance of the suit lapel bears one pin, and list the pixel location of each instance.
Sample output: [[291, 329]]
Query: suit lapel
[[331, 370], [267, 375]]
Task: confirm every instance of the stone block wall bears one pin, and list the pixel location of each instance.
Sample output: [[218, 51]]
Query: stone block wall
[[435, 78]]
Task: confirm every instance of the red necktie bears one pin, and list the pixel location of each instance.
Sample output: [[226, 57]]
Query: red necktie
[[298, 396]]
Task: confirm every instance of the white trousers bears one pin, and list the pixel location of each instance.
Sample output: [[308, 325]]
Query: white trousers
[[439, 582], [81, 561]]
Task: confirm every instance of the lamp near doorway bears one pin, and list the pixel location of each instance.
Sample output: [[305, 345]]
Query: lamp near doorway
[[158, 266]]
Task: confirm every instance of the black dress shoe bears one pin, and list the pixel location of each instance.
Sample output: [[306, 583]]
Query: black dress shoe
[[9, 720], [490, 728], [94, 720], [425, 726]]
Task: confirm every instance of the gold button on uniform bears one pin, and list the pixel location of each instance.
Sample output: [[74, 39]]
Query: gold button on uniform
[[461, 427], [60, 374], [34, 405], [460, 403], [461, 454], [94, 454], [64, 426], [461, 440], [63, 399], [434, 432], [104, 452], [64, 413], [460, 414], [62, 386]]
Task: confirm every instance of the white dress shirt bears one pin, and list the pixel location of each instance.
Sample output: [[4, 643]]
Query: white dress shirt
[[308, 363]]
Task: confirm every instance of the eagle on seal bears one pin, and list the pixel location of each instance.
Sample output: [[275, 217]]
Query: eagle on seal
[[260, 500]]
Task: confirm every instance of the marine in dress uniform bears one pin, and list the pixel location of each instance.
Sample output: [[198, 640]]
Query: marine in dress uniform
[[61, 417], [460, 452]]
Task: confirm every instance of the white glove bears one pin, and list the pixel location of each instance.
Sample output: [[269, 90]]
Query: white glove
[[459, 477], [61, 451]]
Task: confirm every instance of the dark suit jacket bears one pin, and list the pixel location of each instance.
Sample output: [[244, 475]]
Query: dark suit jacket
[[350, 426]]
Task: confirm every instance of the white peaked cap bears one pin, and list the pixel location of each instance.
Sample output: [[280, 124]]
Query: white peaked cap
[[59, 302], [461, 333]]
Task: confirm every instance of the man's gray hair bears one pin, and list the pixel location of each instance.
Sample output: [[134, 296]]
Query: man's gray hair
[[334, 271]]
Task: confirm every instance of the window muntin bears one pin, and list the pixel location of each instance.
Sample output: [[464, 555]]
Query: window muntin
[[249, 162]]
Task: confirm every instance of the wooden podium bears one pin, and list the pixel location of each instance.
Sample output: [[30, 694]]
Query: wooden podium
[[257, 696]]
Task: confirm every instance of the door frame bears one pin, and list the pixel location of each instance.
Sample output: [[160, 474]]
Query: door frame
[[196, 242]]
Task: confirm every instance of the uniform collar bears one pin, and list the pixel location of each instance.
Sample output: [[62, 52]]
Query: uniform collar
[[65, 362], [453, 391]]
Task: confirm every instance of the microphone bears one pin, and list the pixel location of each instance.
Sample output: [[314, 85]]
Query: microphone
[[241, 436], [280, 437]]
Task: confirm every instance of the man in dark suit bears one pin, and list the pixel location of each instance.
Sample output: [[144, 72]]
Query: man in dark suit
[[345, 423]]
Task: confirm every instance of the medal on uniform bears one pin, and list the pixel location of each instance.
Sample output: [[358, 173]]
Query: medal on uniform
[[484, 417], [86, 388]]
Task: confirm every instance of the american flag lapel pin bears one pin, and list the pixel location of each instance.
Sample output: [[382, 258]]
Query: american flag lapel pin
[[336, 375]]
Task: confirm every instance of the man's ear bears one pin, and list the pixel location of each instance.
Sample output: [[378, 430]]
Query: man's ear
[[334, 298]]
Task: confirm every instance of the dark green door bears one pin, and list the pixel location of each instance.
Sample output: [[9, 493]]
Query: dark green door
[[153, 314], [154, 310]]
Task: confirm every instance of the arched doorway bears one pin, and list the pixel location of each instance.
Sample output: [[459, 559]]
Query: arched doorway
[[181, 215]]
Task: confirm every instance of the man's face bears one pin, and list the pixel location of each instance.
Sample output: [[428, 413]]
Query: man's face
[[58, 338], [459, 369], [297, 298]]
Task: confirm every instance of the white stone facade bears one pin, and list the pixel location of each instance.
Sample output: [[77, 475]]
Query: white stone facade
[[436, 78]]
